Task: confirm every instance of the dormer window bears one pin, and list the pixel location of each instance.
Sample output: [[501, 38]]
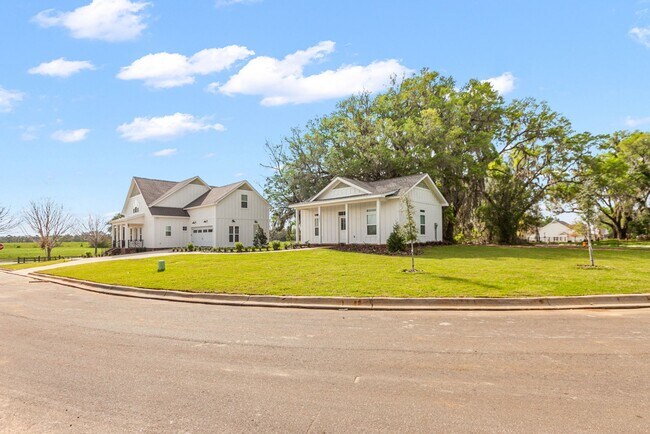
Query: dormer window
[[136, 207]]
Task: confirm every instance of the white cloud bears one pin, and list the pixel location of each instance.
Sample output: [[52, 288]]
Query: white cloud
[[8, 98], [210, 155], [283, 82], [239, 174], [636, 122], [164, 70], [503, 84], [641, 35], [61, 67], [107, 20], [70, 136], [165, 152], [165, 127]]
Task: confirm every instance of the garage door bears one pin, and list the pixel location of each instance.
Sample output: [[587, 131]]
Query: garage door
[[202, 236]]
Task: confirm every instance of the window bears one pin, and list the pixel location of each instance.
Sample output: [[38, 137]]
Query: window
[[209, 230], [168, 231], [316, 226], [244, 201], [423, 224], [343, 220], [184, 228], [371, 222], [233, 234], [136, 207]]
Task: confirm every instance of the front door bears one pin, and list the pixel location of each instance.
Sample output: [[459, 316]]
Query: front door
[[343, 228]]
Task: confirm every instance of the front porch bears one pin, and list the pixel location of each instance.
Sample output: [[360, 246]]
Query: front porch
[[346, 222], [127, 232]]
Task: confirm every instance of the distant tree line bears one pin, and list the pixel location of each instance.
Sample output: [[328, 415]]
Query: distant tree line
[[48, 224], [498, 164]]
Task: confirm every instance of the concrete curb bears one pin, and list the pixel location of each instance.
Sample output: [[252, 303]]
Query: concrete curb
[[623, 301]]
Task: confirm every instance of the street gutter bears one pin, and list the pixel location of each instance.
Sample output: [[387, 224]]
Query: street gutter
[[622, 301]]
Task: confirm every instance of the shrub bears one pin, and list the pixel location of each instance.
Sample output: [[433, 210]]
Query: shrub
[[276, 245], [395, 242], [190, 247], [239, 247], [259, 238]]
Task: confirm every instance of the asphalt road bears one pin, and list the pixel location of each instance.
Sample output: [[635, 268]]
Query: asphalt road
[[76, 361]]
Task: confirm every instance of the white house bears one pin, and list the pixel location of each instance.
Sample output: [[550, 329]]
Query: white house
[[555, 232], [348, 211], [162, 214]]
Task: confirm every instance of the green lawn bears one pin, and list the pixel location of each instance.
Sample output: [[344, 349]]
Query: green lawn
[[447, 271], [15, 250]]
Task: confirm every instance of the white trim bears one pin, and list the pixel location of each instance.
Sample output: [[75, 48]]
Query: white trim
[[430, 182], [303, 205], [176, 188], [237, 186], [332, 183]]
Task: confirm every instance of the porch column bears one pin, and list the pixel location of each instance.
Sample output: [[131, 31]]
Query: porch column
[[298, 226], [320, 227], [347, 225], [378, 221]]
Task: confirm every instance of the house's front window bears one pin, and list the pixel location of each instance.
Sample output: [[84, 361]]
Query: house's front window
[[184, 228], [136, 207], [233, 234], [316, 226], [371, 221], [168, 231], [244, 201], [423, 223]]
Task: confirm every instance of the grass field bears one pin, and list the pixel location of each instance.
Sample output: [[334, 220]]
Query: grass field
[[29, 250], [30, 265], [475, 271]]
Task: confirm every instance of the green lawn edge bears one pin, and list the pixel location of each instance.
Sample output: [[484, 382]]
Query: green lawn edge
[[450, 271]]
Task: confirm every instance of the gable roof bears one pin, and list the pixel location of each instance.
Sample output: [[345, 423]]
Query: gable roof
[[178, 186], [383, 188], [214, 195], [392, 186], [153, 189]]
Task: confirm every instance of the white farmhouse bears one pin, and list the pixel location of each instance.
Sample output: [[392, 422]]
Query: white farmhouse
[[162, 214], [348, 211], [555, 232]]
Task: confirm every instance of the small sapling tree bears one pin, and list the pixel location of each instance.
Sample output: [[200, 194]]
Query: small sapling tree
[[410, 230]]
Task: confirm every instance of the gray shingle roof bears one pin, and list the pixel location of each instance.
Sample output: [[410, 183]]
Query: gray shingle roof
[[394, 185], [152, 189], [214, 195], [168, 211]]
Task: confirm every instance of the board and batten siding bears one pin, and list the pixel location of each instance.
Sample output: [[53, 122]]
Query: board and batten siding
[[178, 237], [423, 199], [130, 204], [230, 209], [183, 196], [342, 190], [391, 210]]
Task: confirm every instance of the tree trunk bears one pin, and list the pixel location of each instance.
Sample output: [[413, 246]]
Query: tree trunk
[[48, 250], [95, 250], [591, 248], [412, 257]]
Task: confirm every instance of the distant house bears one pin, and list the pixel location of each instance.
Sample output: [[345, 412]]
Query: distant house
[[348, 211], [557, 231], [163, 214]]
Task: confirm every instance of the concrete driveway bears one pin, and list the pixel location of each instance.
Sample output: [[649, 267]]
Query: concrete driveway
[[75, 361]]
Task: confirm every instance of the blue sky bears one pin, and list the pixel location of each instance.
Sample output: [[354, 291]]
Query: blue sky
[[95, 92]]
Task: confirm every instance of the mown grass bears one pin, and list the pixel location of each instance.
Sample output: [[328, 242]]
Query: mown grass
[[12, 251], [30, 265], [463, 271]]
